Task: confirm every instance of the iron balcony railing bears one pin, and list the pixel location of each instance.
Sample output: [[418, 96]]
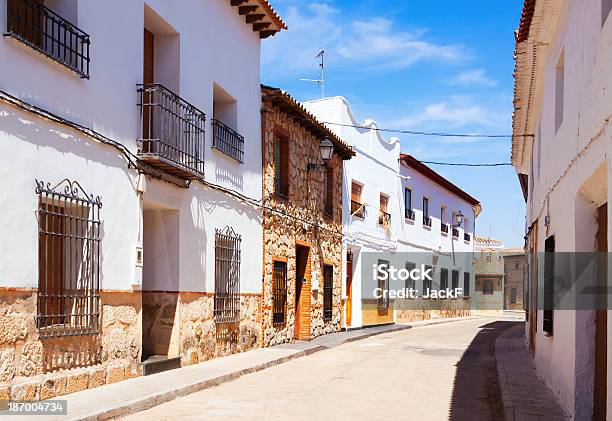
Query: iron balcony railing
[[455, 233], [444, 228], [281, 187], [409, 214], [172, 132], [227, 140], [357, 209], [384, 218], [427, 221], [48, 33], [466, 237]]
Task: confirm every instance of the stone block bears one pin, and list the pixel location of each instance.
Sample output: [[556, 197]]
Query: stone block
[[53, 386], [97, 377], [7, 364], [115, 373], [24, 391], [77, 381]]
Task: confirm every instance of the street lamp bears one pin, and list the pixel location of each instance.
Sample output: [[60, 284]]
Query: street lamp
[[458, 219], [326, 150]]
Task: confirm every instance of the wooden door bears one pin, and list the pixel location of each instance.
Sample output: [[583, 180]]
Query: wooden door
[[349, 293], [601, 318], [302, 293], [148, 77]]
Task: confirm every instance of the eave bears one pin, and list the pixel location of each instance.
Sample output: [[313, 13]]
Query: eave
[[260, 15]]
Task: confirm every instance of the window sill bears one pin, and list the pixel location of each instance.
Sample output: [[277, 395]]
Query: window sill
[[409, 221], [427, 227]]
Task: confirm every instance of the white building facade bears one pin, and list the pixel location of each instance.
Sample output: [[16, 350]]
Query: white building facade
[[384, 192], [561, 152], [132, 171]]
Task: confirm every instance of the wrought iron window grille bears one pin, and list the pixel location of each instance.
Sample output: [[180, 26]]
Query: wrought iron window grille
[[281, 188], [357, 209], [172, 129], [455, 233], [279, 293], [227, 140], [384, 218], [409, 214], [427, 221], [444, 228], [43, 30], [68, 298], [227, 276]]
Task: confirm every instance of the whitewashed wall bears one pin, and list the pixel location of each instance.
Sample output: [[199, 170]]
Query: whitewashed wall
[[216, 46], [575, 29]]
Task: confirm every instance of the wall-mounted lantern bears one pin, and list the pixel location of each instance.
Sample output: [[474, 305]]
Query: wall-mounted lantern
[[326, 150]]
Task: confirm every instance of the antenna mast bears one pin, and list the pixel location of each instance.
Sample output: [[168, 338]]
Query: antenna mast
[[321, 80]]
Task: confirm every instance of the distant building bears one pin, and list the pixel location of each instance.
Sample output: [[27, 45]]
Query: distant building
[[514, 272], [488, 292]]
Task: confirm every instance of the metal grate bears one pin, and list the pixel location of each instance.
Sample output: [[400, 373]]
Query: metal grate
[[48, 33], [409, 214], [172, 129], [357, 209], [455, 233], [427, 221], [455, 279], [444, 228], [384, 218], [68, 260], [227, 140], [227, 276], [443, 278], [279, 292], [328, 291], [466, 284]]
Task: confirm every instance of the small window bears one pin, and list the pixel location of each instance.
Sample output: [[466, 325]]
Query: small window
[[68, 260], [427, 281], [426, 218], [328, 190], [328, 291], [408, 211], [443, 278], [410, 282], [455, 279], [466, 284], [357, 208], [281, 166], [227, 276], [559, 91], [279, 292], [384, 217], [226, 138], [383, 284]]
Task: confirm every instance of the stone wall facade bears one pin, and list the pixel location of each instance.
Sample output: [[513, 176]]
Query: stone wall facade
[[35, 368], [299, 220]]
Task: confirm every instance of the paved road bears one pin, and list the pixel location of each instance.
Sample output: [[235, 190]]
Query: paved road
[[439, 372]]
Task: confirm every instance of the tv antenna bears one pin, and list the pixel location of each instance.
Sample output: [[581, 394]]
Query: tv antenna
[[321, 80]]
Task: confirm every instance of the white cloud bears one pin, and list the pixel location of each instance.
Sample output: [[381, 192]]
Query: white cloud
[[372, 44], [473, 77], [454, 113]]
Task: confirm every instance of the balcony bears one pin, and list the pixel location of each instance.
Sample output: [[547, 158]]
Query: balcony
[[426, 221], [444, 229], [409, 214], [172, 137], [466, 237], [41, 29], [455, 233], [227, 140], [281, 188], [384, 218], [357, 209]]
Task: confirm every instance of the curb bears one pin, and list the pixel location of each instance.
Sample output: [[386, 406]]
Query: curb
[[149, 401]]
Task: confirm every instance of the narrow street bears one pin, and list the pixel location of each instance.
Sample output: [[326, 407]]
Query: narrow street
[[439, 372]]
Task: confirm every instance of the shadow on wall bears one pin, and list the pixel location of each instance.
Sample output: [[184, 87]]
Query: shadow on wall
[[476, 393], [228, 172]]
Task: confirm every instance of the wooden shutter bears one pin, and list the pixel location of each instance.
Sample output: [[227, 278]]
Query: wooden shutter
[[51, 259], [25, 18], [356, 192], [284, 161]]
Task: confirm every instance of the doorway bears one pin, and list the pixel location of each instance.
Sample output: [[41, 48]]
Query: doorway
[[303, 288], [600, 395], [349, 289]]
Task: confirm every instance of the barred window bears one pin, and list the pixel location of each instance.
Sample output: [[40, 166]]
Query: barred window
[[383, 284], [443, 278], [279, 292], [466, 284], [328, 291], [227, 276], [68, 301], [455, 279], [410, 281]]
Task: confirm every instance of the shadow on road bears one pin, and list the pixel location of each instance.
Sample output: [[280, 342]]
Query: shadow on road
[[476, 394]]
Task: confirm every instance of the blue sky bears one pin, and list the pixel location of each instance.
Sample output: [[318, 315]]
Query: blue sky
[[420, 66]]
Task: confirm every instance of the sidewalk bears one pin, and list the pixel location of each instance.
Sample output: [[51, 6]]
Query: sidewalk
[[525, 396], [134, 395]]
